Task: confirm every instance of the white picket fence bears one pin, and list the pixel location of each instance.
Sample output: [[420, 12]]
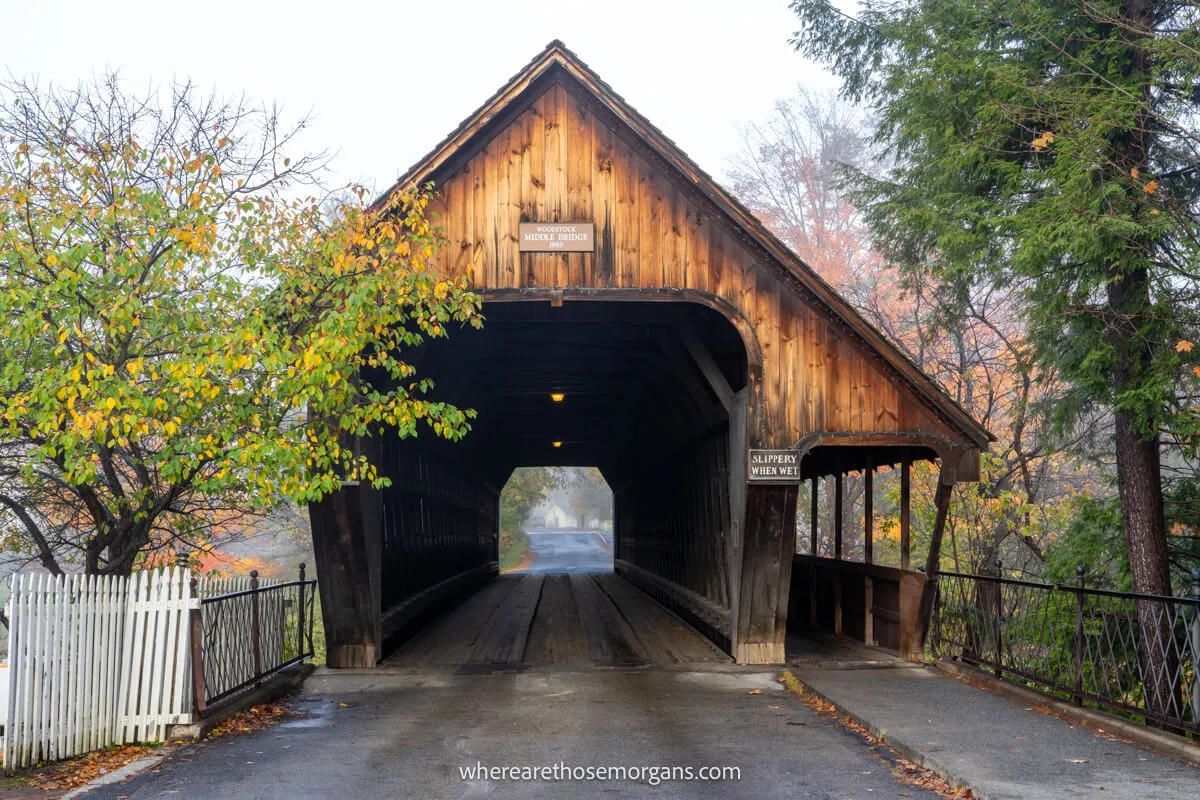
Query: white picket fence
[[95, 661]]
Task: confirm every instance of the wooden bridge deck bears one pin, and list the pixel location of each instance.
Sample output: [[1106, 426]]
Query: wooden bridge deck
[[568, 620]]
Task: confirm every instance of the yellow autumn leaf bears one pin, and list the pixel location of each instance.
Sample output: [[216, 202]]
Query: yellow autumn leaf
[[1184, 346], [1151, 187], [1043, 141]]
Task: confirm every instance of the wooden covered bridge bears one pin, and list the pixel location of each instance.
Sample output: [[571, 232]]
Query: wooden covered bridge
[[682, 336]]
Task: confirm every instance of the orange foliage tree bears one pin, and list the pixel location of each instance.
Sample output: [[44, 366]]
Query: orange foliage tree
[[970, 339]]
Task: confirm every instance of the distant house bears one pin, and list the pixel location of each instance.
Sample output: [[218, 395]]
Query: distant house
[[550, 515]]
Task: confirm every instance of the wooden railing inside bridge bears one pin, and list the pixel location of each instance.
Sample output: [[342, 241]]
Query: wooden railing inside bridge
[[878, 605]]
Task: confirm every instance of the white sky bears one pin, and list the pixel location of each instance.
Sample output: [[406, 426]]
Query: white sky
[[385, 82]]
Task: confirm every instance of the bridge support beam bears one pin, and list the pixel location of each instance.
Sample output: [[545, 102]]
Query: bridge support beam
[[348, 550], [768, 544]]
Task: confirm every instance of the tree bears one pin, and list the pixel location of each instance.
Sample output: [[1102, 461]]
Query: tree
[[524, 491], [588, 495], [186, 341], [969, 337], [1048, 148]]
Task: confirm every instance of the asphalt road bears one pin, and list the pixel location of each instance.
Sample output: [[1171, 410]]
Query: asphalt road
[[417, 734], [569, 551], [423, 731]]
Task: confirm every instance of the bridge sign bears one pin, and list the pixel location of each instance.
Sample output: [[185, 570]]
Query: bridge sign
[[774, 466], [556, 237]]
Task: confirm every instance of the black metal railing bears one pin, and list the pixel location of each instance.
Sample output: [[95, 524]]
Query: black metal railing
[[1129, 652], [239, 639]]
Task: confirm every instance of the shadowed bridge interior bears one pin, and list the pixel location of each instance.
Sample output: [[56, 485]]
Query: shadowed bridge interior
[[646, 390], [633, 392]]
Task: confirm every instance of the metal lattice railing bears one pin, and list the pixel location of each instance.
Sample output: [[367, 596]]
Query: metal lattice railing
[[1131, 652], [241, 637]]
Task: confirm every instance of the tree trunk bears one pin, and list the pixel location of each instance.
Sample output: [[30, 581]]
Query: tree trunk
[[1139, 483]]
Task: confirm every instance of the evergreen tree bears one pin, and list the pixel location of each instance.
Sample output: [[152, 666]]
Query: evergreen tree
[[1049, 147]]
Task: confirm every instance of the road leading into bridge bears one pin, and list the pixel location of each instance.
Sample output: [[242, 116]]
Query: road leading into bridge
[[566, 668], [424, 734], [570, 552]]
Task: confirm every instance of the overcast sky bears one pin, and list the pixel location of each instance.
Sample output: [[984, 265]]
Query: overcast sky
[[385, 82]]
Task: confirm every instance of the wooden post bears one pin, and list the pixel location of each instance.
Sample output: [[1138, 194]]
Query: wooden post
[[814, 520], [347, 545], [255, 632], [769, 546], [912, 593], [868, 513], [868, 610], [868, 551], [196, 625], [837, 553], [905, 514], [813, 538], [738, 496], [837, 516]]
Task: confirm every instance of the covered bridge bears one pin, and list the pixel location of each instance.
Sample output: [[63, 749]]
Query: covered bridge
[[681, 335]]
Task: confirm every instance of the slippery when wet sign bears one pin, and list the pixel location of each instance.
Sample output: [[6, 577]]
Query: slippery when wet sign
[[774, 466]]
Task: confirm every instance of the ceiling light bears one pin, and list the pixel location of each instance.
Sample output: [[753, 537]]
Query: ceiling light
[[557, 444], [557, 397]]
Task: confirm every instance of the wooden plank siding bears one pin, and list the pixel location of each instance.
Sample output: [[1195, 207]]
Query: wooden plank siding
[[560, 160], [667, 226]]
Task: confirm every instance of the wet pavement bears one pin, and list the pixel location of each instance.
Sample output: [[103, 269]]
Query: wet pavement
[[426, 733]]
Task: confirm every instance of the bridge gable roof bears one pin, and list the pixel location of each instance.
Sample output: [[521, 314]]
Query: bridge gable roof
[[557, 64]]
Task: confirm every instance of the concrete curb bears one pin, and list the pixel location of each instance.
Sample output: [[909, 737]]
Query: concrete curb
[[117, 775], [913, 754], [273, 688], [1168, 743]]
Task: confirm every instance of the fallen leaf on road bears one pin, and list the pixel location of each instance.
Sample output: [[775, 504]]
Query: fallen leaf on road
[[754, 691], [250, 720], [76, 772], [1079, 760]]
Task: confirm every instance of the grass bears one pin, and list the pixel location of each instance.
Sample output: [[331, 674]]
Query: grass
[[513, 554]]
